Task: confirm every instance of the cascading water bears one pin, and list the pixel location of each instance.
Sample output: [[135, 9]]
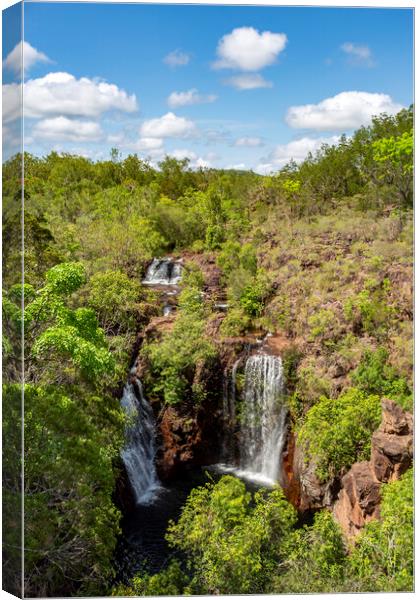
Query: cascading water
[[263, 418], [262, 422], [139, 452], [163, 271]]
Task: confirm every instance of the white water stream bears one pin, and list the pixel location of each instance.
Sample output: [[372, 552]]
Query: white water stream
[[163, 271], [263, 419], [139, 451]]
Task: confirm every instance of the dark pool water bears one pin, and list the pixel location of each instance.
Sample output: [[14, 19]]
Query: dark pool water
[[142, 544]]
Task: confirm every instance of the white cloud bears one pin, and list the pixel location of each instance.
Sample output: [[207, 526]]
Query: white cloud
[[196, 162], [62, 128], [59, 94], [168, 125], [360, 55], [238, 167], [202, 163], [248, 81], [149, 143], [116, 138], [12, 101], [342, 112], [181, 153], [248, 50], [299, 149], [177, 58], [150, 147], [30, 55], [192, 96], [265, 168], [250, 142], [296, 150], [12, 139]]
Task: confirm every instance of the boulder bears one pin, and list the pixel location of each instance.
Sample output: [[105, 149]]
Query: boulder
[[392, 443], [359, 498]]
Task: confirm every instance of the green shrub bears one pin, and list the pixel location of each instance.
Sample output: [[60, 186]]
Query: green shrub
[[173, 359], [235, 323], [233, 540], [316, 559], [337, 433], [171, 581], [375, 375], [370, 309]]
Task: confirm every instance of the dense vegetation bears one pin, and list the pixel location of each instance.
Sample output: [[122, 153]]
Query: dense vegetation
[[320, 251], [236, 543]]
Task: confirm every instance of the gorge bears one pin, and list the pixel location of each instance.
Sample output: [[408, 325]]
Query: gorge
[[245, 428], [252, 415]]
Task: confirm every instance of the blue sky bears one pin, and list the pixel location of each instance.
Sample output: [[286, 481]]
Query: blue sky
[[249, 87]]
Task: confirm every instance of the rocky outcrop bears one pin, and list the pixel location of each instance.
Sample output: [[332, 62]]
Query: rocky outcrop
[[359, 499], [354, 497], [392, 443], [391, 455]]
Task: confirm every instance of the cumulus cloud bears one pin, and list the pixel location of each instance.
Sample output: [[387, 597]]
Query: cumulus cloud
[[296, 150], [360, 55], [12, 101], [177, 58], [169, 125], [248, 81], [196, 162], [61, 94], [247, 49], [343, 112], [64, 129], [29, 54], [251, 142], [188, 98]]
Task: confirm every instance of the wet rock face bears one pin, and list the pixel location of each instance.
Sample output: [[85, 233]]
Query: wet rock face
[[123, 494], [188, 437], [391, 455]]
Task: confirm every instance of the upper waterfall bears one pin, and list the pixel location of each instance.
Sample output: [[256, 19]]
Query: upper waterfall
[[139, 451], [163, 271]]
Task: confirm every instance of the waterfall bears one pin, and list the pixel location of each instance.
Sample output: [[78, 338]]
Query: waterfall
[[263, 418], [139, 452], [163, 271]]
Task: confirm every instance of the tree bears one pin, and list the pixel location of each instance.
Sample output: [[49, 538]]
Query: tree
[[233, 540], [115, 298], [394, 159], [72, 435]]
